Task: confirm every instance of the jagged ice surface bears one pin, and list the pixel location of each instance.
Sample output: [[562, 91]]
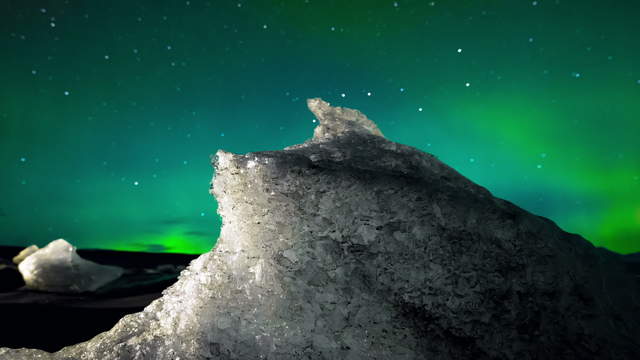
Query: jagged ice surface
[[350, 246]]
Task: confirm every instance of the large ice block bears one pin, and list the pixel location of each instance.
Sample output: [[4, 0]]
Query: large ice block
[[58, 268]]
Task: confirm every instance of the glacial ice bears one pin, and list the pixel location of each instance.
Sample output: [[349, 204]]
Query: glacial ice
[[24, 253], [58, 268], [350, 246]]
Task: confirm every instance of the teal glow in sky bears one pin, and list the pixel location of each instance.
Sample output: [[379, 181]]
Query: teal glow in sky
[[109, 111]]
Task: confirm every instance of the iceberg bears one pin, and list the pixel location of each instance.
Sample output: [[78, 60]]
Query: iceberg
[[58, 268]]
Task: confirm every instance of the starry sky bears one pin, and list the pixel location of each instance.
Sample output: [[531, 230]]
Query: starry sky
[[110, 110]]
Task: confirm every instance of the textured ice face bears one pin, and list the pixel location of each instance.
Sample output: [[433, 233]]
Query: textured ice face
[[58, 268], [350, 246]]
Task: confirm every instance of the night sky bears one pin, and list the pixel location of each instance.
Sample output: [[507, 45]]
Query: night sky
[[110, 110]]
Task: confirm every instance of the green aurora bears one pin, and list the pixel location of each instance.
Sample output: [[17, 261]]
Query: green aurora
[[110, 111]]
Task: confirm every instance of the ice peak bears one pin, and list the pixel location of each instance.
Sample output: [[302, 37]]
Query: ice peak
[[337, 121]]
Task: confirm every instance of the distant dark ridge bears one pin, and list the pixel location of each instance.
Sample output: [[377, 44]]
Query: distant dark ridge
[[134, 259], [629, 258], [632, 264]]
